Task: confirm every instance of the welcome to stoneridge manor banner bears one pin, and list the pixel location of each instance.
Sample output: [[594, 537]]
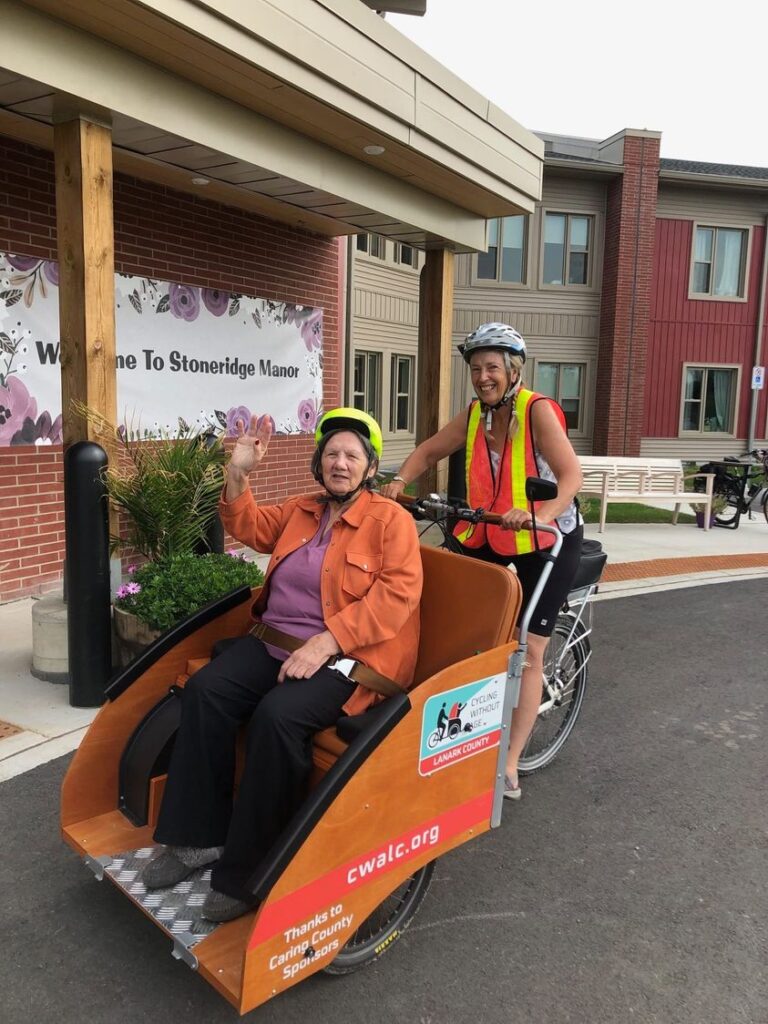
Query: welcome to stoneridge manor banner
[[200, 355]]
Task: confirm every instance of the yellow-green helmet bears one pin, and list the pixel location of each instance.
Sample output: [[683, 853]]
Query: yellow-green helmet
[[351, 419]]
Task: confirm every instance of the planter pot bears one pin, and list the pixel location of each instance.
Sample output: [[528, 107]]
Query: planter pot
[[700, 520], [132, 636]]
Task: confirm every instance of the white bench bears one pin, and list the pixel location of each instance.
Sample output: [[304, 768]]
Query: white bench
[[620, 478]]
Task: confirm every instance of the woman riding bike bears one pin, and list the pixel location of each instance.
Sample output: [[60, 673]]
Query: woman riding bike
[[511, 433]]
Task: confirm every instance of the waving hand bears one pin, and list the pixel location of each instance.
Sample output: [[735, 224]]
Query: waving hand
[[250, 448]]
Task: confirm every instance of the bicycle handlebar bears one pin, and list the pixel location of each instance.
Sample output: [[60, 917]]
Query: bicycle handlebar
[[434, 503]]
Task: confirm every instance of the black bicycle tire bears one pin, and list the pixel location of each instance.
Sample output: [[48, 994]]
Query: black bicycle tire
[[355, 955], [765, 506], [729, 489], [527, 765]]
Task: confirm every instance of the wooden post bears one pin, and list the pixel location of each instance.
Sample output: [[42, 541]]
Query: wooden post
[[435, 331], [84, 218]]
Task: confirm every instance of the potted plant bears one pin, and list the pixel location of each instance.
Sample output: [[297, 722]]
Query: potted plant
[[160, 594], [699, 510], [165, 487]]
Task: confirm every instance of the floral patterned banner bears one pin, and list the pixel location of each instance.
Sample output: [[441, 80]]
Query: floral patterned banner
[[200, 355]]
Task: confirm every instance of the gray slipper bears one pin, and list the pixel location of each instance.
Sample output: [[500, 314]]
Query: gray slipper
[[175, 863], [220, 907]]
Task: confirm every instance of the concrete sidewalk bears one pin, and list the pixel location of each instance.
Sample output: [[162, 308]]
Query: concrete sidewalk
[[37, 723]]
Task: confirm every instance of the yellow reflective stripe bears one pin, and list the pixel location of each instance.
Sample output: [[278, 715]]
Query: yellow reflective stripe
[[519, 467], [472, 425]]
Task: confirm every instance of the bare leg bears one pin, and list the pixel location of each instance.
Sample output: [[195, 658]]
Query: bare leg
[[525, 713]]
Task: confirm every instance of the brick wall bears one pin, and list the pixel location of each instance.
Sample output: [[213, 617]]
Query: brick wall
[[625, 302], [172, 236]]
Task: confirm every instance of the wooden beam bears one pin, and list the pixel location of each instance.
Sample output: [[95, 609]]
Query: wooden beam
[[435, 332], [84, 218]]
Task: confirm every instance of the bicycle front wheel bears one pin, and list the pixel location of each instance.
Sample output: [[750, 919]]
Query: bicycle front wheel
[[565, 669], [385, 925]]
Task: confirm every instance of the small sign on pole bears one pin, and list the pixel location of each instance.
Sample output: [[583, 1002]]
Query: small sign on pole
[[758, 378]]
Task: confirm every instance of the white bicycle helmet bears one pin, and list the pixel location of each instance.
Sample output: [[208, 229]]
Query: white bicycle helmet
[[495, 335], [507, 340]]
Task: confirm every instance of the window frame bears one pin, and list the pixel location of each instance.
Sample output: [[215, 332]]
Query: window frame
[[681, 431], [487, 282], [377, 355], [583, 429], [705, 296], [367, 251], [394, 394], [592, 249], [397, 256]]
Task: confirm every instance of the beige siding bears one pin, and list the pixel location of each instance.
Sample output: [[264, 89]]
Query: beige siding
[[722, 206], [696, 449], [559, 324], [385, 319], [581, 195]]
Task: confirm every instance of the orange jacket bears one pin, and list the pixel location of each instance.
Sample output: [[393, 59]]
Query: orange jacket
[[371, 580]]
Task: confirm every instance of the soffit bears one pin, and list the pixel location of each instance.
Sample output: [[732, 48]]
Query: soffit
[[27, 111], [338, 74]]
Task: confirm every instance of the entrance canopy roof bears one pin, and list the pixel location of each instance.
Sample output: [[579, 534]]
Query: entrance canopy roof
[[275, 104]]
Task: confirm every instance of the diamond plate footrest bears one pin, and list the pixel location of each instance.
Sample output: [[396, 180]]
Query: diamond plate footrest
[[177, 911]]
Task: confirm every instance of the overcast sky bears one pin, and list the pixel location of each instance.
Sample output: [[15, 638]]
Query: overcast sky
[[695, 70]]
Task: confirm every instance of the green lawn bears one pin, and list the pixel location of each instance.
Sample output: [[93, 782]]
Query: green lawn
[[621, 512], [630, 512]]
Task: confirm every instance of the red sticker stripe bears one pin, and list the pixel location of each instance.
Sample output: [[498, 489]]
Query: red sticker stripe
[[333, 886], [460, 752]]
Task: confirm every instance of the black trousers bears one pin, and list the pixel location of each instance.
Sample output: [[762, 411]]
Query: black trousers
[[238, 686]]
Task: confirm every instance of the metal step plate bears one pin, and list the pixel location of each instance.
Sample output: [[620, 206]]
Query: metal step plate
[[177, 911]]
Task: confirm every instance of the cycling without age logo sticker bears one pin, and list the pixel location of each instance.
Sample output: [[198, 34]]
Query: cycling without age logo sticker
[[460, 723]]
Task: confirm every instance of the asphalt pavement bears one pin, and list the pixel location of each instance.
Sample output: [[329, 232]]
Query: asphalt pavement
[[628, 885]]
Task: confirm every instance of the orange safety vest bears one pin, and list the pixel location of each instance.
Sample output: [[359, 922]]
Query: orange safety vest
[[507, 491]]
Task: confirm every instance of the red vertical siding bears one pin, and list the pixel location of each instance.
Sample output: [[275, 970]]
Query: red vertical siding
[[684, 330]]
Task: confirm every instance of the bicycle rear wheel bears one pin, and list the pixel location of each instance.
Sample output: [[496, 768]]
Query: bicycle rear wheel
[[570, 646], [385, 925]]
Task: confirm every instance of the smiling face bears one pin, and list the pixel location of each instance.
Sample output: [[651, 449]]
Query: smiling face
[[344, 463], [490, 377]]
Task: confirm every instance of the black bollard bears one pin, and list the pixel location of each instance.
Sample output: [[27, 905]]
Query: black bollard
[[89, 622]]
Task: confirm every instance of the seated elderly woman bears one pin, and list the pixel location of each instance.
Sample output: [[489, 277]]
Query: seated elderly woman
[[344, 582]]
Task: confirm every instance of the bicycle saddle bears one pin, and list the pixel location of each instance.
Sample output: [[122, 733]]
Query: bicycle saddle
[[591, 564]]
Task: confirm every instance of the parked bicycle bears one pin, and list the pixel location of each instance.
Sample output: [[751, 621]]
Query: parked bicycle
[[568, 653], [743, 485]]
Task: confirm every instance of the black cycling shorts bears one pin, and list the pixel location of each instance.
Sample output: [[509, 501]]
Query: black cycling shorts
[[529, 568]]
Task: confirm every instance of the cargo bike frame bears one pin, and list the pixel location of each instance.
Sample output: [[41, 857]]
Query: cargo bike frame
[[350, 870]]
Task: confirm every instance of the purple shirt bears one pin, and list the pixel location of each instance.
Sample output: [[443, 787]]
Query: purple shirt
[[294, 605]]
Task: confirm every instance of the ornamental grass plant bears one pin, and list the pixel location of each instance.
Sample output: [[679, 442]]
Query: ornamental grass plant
[[166, 485], [161, 594]]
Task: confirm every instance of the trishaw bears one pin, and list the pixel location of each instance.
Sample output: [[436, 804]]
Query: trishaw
[[350, 870]]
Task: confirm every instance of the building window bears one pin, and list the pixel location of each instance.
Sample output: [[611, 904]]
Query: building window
[[402, 392], [565, 383], [709, 399], [719, 262], [567, 248], [505, 260], [374, 245], [406, 255], [367, 383]]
